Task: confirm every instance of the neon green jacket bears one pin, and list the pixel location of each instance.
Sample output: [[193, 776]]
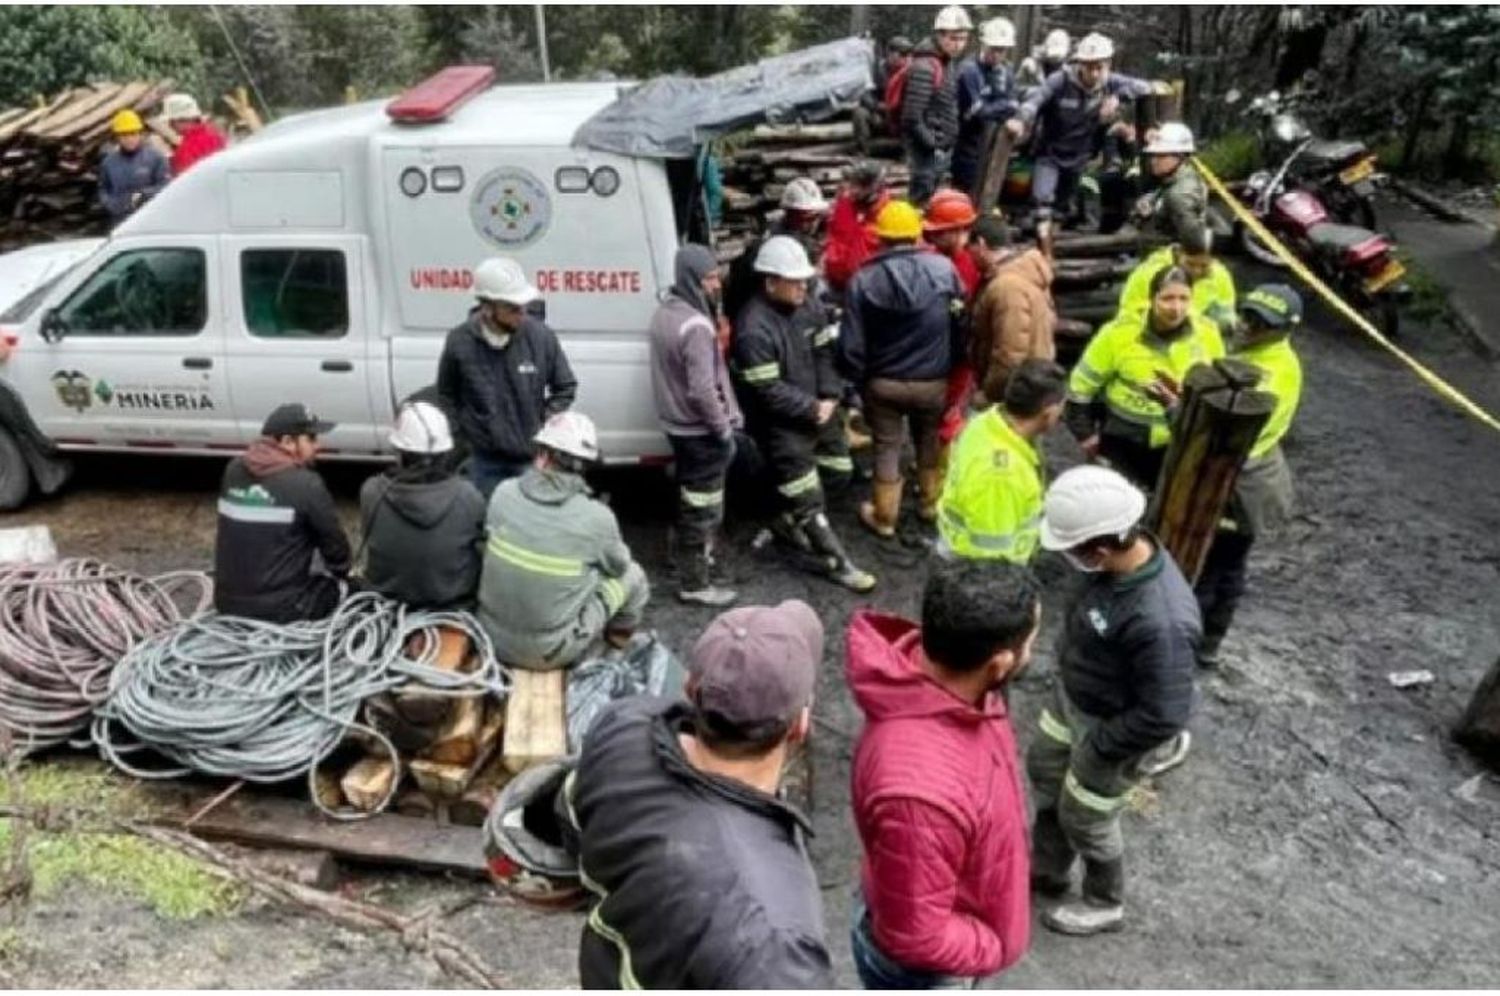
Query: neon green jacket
[[1283, 378], [992, 497], [1213, 296], [1125, 357]]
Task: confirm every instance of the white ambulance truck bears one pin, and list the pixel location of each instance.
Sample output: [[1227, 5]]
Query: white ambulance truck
[[324, 259]]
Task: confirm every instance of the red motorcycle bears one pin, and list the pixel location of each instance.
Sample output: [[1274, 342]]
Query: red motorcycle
[[1357, 263]]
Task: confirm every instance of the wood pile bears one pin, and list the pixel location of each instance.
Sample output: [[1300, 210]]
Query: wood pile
[[50, 153], [456, 753]]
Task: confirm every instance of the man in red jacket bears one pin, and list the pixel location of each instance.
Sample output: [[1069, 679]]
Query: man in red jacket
[[851, 225], [937, 783], [199, 138]]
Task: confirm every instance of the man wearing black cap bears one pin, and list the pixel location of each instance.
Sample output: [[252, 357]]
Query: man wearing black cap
[[701, 873], [274, 514]]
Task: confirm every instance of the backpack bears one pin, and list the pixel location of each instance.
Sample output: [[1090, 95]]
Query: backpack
[[895, 89]]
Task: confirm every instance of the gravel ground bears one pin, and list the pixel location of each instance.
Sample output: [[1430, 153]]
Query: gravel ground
[[1313, 839]]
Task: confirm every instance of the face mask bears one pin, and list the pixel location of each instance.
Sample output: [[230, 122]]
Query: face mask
[[1079, 564]]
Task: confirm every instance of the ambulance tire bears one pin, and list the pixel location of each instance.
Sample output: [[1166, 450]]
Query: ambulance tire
[[15, 475]]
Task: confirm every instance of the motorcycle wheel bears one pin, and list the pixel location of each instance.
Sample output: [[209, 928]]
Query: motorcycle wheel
[[1256, 249], [1349, 208], [1385, 314]]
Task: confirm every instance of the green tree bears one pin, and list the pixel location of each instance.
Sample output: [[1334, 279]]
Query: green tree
[[45, 49]]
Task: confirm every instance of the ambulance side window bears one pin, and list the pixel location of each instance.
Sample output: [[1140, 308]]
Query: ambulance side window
[[144, 292], [295, 293]]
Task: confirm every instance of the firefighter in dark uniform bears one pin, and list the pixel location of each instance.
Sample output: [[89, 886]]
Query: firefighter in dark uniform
[[784, 363]]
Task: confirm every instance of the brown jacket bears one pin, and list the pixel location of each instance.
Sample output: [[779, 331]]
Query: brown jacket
[[1013, 321]]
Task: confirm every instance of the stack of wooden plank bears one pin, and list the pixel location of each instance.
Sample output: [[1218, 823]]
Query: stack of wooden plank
[[49, 157], [456, 753]]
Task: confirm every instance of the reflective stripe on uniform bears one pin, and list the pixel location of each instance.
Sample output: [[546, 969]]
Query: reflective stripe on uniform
[[761, 374], [702, 499], [988, 542], [275, 514], [842, 464], [800, 485], [1093, 800], [824, 336], [1054, 727], [613, 590], [536, 563], [604, 930]]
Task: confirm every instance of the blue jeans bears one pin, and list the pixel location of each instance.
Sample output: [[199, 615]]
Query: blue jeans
[[487, 472], [876, 971]]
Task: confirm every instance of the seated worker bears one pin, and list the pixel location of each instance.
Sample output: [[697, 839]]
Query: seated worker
[[557, 574], [992, 498], [1212, 287], [423, 523], [1123, 387], [275, 513]]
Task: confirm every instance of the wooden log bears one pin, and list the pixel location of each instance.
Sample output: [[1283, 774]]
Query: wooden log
[[1075, 244], [996, 162], [95, 112], [536, 727], [804, 134], [1479, 729], [453, 654], [473, 728], [1220, 417], [443, 782], [479, 798], [326, 788], [369, 782]]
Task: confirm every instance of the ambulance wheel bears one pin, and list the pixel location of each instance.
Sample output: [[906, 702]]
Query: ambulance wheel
[[15, 476]]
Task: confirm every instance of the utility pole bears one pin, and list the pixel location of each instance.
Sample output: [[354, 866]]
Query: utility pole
[[541, 40], [1025, 29]]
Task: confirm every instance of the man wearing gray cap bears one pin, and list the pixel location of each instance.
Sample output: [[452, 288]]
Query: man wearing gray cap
[[701, 873]]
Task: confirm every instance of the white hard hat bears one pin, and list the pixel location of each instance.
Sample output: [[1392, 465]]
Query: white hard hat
[[1094, 48], [501, 278], [572, 433], [997, 33], [783, 256], [180, 106], [1087, 503], [421, 427], [803, 194], [1055, 45], [953, 18], [1173, 138]]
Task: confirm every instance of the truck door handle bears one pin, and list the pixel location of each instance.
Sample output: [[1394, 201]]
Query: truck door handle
[[338, 366], [197, 362]]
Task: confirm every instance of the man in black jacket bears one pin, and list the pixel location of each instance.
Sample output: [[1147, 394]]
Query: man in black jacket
[[1126, 660], [791, 396], [502, 373], [929, 102], [423, 524], [275, 513], [701, 871]]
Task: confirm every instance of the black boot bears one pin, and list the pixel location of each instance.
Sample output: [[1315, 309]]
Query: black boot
[[1052, 857], [1102, 907], [695, 586], [840, 568]]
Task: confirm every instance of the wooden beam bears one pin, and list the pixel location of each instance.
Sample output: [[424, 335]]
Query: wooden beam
[[996, 162], [264, 820], [536, 727]]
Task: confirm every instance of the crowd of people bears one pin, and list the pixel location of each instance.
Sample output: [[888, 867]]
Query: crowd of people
[[934, 327]]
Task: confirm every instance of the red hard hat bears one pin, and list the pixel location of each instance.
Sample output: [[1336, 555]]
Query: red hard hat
[[949, 209]]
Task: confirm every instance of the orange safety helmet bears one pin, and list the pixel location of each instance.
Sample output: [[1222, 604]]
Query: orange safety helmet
[[949, 209]]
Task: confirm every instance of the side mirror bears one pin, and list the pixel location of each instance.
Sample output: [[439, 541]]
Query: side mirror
[[53, 328]]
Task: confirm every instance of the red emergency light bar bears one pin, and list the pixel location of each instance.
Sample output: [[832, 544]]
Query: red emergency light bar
[[440, 95]]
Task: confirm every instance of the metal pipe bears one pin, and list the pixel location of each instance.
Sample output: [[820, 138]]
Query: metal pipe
[[541, 40]]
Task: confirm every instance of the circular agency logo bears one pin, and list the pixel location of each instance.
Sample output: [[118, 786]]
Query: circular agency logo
[[510, 208]]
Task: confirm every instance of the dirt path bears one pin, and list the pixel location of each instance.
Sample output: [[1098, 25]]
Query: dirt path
[[1313, 839]]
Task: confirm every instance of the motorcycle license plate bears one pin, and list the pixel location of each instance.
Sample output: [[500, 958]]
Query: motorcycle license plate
[[1362, 170], [1389, 274]]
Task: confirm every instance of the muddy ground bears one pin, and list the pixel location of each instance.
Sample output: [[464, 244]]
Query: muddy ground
[[1315, 837]]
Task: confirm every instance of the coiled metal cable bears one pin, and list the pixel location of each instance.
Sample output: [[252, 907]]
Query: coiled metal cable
[[263, 702], [62, 628]]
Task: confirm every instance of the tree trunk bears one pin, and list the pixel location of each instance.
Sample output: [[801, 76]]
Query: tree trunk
[[1415, 127], [1456, 157], [1303, 51]]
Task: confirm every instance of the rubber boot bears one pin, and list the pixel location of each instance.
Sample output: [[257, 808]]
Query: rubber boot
[[1101, 907], [881, 514], [1052, 857], [930, 485], [785, 529], [840, 568], [695, 585]]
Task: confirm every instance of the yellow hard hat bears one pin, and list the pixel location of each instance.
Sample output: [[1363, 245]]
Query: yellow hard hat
[[126, 122], [899, 221]]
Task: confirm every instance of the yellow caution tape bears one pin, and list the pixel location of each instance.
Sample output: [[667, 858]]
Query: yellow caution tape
[[1359, 321]]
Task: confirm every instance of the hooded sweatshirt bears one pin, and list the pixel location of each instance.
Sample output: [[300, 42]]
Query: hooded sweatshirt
[[274, 514], [938, 802], [694, 396], [899, 317], [551, 548], [424, 539]]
